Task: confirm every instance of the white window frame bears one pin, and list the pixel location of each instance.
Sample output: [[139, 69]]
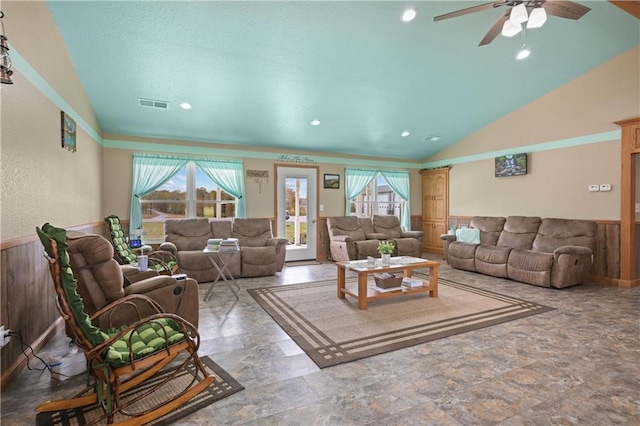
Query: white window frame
[[370, 208]]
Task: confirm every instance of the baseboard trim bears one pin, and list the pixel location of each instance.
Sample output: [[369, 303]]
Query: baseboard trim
[[614, 281], [19, 365]]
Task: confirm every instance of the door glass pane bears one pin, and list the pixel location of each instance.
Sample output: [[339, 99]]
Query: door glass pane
[[296, 213]]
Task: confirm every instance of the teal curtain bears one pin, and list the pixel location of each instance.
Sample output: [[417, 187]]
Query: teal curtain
[[399, 182], [149, 172], [356, 180], [229, 176]]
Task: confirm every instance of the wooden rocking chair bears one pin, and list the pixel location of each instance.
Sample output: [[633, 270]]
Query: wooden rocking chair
[[123, 358], [160, 261]]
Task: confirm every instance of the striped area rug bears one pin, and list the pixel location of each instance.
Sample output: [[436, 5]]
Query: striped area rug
[[333, 331]]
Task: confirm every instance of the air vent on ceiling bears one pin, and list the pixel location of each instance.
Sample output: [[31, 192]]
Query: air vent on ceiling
[[152, 103], [431, 138]]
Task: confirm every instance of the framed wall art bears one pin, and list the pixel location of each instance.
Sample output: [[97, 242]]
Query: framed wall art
[[332, 181], [68, 126], [511, 165]]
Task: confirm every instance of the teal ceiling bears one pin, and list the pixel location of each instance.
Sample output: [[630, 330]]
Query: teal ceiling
[[257, 73]]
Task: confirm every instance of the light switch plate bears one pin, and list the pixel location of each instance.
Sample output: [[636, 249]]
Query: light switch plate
[[594, 188], [605, 187], [637, 207]]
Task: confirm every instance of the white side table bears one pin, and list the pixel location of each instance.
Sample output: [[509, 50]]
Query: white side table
[[223, 270]]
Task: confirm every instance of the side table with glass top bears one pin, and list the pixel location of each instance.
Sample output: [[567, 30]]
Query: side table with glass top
[[219, 260]]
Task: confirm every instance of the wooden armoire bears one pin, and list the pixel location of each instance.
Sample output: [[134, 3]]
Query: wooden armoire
[[435, 207]]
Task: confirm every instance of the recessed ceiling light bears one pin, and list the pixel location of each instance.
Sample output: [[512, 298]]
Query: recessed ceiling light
[[315, 123], [523, 53], [185, 105], [409, 15], [405, 134]]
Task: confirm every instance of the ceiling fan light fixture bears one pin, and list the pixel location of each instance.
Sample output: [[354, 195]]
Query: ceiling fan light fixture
[[537, 18], [509, 29], [518, 14], [409, 15], [523, 53]]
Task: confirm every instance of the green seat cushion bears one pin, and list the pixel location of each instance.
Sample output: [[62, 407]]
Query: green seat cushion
[[143, 341]]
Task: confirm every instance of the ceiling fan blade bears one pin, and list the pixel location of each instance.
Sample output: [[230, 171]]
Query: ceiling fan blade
[[496, 29], [469, 10], [565, 9]]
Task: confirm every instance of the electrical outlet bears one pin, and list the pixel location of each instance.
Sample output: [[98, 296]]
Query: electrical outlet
[[4, 336], [594, 188], [605, 187]]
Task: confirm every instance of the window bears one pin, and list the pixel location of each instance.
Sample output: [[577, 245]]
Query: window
[[377, 198], [188, 193]]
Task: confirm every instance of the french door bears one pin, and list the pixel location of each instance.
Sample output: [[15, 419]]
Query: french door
[[296, 210]]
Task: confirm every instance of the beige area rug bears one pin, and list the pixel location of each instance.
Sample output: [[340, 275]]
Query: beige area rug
[[222, 387], [333, 331]]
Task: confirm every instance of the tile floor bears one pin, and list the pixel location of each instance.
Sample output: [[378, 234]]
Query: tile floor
[[577, 365]]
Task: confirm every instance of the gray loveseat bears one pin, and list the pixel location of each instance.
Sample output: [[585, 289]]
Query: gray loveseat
[[356, 238], [545, 252], [260, 254]]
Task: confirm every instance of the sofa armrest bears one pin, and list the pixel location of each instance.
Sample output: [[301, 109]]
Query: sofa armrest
[[150, 284], [376, 236], [170, 247], [342, 239], [572, 251], [412, 234], [276, 241], [133, 274], [448, 237]]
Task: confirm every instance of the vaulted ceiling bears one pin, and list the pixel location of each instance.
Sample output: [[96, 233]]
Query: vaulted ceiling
[[257, 73]]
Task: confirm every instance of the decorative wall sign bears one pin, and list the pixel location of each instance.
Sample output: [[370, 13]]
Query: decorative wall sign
[[332, 181], [68, 126], [258, 176], [296, 159]]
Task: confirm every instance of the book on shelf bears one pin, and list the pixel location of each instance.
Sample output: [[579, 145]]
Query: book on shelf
[[412, 282]]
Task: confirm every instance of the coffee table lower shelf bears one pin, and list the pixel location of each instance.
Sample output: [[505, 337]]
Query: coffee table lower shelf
[[351, 289]]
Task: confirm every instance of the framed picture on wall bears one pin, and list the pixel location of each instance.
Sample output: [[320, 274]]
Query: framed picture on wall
[[332, 181], [68, 126], [511, 165]]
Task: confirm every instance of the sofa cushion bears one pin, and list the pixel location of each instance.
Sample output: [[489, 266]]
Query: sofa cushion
[[554, 233], [492, 260], [388, 225], [519, 232], [188, 234], [530, 267], [490, 228], [346, 225], [258, 261], [252, 232]]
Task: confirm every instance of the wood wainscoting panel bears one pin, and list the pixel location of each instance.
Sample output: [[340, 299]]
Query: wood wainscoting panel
[[323, 240], [28, 303]]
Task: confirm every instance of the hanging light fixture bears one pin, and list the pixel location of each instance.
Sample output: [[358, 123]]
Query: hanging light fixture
[[537, 18], [519, 14], [5, 60], [509, 29]]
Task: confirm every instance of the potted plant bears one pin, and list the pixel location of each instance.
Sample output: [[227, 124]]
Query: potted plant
[[385, 248]]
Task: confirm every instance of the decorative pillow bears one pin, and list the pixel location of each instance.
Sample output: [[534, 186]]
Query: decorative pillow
[[469, 235]]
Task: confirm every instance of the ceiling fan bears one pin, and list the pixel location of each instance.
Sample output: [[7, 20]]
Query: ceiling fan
[[534, 12]]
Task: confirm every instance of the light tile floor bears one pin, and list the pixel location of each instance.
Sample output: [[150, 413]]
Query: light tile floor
[[577, 365]]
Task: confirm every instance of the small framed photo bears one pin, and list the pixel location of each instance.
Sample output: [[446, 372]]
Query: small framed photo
[[332, 181], [68, 126]]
